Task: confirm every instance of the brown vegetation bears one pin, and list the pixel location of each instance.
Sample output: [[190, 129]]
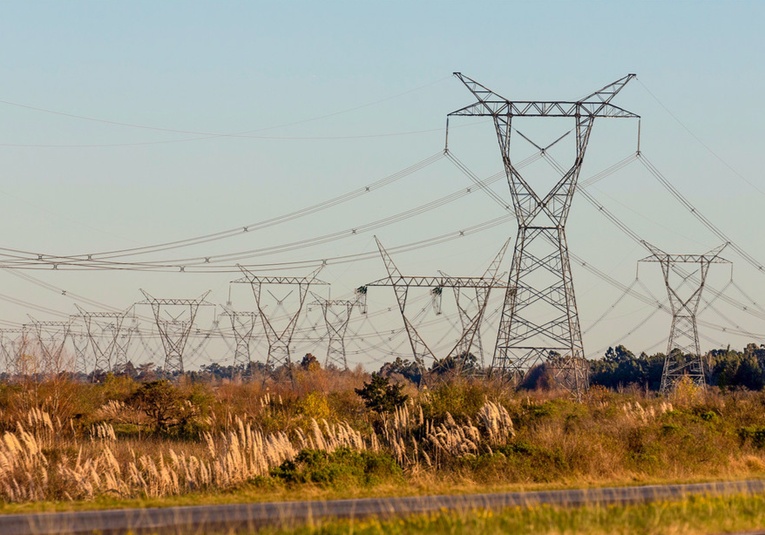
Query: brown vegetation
[[62, 440]]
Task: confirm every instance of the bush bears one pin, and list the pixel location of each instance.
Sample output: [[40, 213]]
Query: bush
[[342, 467], [381, 396]]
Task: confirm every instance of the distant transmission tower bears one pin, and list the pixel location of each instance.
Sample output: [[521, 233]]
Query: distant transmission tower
[[80, 343], [103, 330], [242, 323], [9, 347], [540, 322], [174, 332], [337, 316], [401, 285], [279, 338], [468, 306], [51, 338], [684, 290]]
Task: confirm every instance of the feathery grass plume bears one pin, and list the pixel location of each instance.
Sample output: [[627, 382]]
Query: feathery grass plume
[[496, 422], [450, 439], [102, 432]]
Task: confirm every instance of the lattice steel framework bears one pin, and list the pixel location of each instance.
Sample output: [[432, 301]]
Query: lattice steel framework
[[684, 290], [51, 338], [10, 349], [337, 316], [540, 322], [468, 306], [174, 332], [104, 330], [279, 339], [242, 324], [80, 343], [401, 285]]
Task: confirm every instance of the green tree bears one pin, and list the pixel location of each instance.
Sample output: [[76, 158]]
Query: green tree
[[160, 401], [381, 396], [464, 363]]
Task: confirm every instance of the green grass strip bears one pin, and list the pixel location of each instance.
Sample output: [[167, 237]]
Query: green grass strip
[[693, 515]]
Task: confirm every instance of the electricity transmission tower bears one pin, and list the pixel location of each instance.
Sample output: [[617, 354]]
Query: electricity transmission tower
[[684, 290], [103, 330], [337, 316], [468, 306], [401, 285], [80, 343], [279, 339], [51, 338], [242, 323], [174, 332], [540, 322], [10, 347]]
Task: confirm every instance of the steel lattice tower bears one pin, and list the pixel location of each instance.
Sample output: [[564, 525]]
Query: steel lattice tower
[[103, 330], [80, 343], [401, 285], [683, 349], [468, 307], [174, 332], [242, 324], [9, 347], [540, 322], [337, 316], [279, 339], [51, 339]]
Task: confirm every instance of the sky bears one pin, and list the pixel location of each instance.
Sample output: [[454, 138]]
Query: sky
[[125, 124]]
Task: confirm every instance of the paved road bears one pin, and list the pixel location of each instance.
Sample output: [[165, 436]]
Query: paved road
[[202, 519]]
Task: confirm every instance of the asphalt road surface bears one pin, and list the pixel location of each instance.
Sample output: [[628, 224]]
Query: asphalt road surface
[[250, 516]]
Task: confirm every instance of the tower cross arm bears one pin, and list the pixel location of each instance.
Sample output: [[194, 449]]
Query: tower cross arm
[[542, 108], [252, 278], [199, 301], [687, 259], [711, 257], [258, 279], [442, 282], [491, 104]]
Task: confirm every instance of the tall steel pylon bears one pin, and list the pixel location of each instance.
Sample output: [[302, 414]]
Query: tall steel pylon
[[279, 339], [103, 330], [337, 316], [468, 306], [540, 321], [683, 356], [10, 349], [51, 338], [242, 324], [174, 332], [401, 285], [80, 343]]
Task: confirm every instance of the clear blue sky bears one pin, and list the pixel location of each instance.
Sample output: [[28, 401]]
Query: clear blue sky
[[327, 97]]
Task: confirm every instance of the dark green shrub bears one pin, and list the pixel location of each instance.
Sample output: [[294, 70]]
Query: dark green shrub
[[381, 396], [342, 467], [754, 435]]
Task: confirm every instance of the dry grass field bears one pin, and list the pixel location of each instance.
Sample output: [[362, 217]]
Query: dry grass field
[[76, 444]]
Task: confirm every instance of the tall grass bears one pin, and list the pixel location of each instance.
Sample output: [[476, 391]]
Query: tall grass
[[51, 451]]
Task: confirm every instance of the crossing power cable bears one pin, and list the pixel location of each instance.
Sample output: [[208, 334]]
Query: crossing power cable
[[252, 227]]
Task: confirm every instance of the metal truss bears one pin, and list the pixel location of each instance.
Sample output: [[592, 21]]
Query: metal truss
[[683, 349], [80, 343], [279, 340], [242, 323], [540, 322], [337, 316], [401, 285], [468, 306], [174, 332], [10, 349], [51, 338], [104, 330]]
